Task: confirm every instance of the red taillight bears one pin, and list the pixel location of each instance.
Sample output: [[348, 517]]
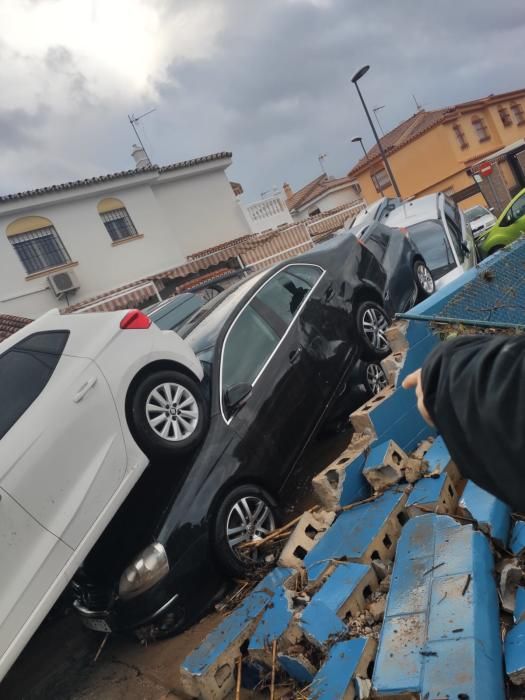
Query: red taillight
[[135, 319]]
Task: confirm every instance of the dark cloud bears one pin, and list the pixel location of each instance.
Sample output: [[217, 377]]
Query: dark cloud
[[276, 87], [19, 128]]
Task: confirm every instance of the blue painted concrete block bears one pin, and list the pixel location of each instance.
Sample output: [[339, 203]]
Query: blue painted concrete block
[[442, 597], [517, 539], [353, 532], [235, 625], [519, 605], [491, 514], [355, 486], [426, 491], [417, 354], [335, 677], [319, 620], [297, 668], [273, 623], [515, 653], [438, 456]]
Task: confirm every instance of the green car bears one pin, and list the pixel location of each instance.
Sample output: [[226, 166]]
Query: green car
[[509, 226]]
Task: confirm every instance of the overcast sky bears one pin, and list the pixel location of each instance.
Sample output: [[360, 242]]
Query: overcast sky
[[266, 79]]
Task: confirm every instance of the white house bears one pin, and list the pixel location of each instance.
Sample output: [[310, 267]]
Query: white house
[[268, 212], [321, 195], [87, 237]]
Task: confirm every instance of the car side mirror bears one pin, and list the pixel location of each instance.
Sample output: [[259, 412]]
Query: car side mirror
[[237, 395], [491, 209]]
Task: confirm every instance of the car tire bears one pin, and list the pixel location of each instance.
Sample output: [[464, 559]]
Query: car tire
[[495, 249], [425, 284], [375, 379], [371, 323], [247, 513], [186, 415]]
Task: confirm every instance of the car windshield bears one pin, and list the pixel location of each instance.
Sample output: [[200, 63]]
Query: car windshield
[[172, 315], [475, 213]]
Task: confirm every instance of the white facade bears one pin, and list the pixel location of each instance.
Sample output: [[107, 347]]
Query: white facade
[[268, 213], [177, 211], [337, 197]]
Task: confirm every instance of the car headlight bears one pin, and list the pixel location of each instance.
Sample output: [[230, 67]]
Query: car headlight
[[148, 568]]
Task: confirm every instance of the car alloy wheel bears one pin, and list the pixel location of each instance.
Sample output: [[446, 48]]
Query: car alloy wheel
[[250, 519], [375, 378], [424, 278], [374, 324], [172, 411]]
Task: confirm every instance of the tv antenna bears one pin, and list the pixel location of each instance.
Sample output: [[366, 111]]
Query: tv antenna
[[418, 106], [133, 120], [321, 158]]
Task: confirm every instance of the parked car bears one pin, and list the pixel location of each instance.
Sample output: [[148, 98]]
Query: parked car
[[172, 312], [80, 395], [377, 211], [278, 350], [509, 226], [436, 225], [480, 219]]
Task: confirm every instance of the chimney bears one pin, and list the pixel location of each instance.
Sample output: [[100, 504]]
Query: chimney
[[140, 157], [287, 190]]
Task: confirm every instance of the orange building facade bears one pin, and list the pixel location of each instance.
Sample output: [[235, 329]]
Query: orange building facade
[[433, 151]]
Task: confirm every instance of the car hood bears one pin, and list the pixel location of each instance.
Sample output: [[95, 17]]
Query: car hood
[[482, 223]]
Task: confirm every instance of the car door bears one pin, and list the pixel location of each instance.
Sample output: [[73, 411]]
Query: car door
[[432, 241], [265, 347], [62, 454], [391, 248], [515, 220]]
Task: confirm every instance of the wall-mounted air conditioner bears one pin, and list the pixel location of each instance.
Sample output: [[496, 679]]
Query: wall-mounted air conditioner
[[63, 282]]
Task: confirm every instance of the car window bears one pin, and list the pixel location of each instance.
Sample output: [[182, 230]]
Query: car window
[[248, 346], [171, 316], [518, 208], [475, 213], [430, 239], [452, 211], [376, 242], [284, 293], [25, 369], [457, 239]]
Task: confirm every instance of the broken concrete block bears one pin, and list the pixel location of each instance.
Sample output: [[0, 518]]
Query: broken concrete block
[[273, 623], [297, 667], [422, 448], [396, 336], [438, 494], [442, 613], [345, 594], [392, 365], [519, 605], [209, 671], [365, 533], [384, 465], [509, 580], [517, 539], [491, 514], [515, 654], [346, 662], [362, 419], [414, 469], [343, 479], [308, 531]]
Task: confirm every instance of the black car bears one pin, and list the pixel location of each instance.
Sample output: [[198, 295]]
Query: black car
[[278, 349]]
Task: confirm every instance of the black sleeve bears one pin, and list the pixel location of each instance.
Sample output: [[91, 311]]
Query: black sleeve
[[474, 388]]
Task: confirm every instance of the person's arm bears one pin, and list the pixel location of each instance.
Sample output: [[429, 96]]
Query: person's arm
[[472, 389]]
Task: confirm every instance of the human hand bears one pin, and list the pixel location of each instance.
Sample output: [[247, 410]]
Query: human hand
[[414, 381]]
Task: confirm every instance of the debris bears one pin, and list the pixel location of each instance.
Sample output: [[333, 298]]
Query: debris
[[428, 571], [384, 465], [101, 646], [467, 584], [510, 576], [414, 469], [309, 529], [377, 608], [239, 675], [274, 653]]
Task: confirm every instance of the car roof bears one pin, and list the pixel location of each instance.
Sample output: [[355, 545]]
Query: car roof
[[415, 211]]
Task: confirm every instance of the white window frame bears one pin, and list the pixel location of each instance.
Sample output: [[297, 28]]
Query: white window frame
[[304, 301]]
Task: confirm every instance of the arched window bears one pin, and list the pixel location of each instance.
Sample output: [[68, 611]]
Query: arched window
[[37, 244], [116, 219]]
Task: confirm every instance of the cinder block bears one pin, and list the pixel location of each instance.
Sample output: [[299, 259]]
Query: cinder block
[[423, 447], [436, 493], [365, 533], [362, 419], [384, 465], [517, 540], [308, 531], [392, 366], [491, 514], [345, 594], [515, 654], [519, 605], [346, 662], [344, 476], [441, 636], [273, 623], [297, 667], [396, 336], [208, 672]]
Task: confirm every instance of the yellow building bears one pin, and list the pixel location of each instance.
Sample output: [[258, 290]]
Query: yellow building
[[433, 150]]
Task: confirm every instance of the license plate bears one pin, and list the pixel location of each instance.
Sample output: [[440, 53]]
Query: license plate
[[97, 625]]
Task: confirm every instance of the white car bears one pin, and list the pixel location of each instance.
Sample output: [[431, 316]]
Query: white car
[[80, 395], [437, 227], [479, 219]]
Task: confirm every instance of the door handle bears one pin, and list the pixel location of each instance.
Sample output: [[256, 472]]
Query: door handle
[[87, 386], [295, 355], [329, 294]]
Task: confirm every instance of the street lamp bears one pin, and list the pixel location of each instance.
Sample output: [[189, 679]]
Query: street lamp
[[358, 139], [355, 80]]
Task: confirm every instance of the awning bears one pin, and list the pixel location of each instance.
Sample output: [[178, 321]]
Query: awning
[[123, 299]]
